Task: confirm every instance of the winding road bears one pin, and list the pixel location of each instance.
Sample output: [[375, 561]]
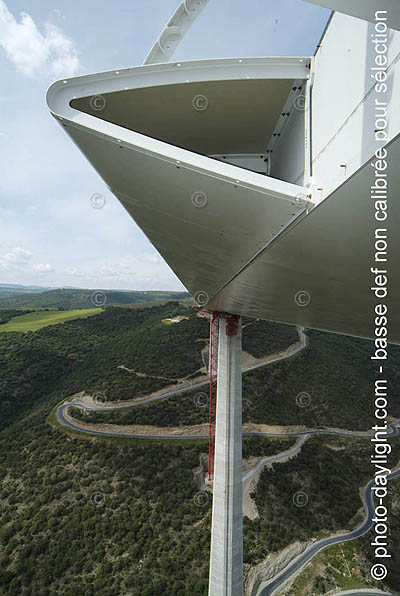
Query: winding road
[[271, 587], [62, 409]]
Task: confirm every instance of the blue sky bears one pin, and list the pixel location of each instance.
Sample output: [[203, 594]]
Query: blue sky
[[50, 233]]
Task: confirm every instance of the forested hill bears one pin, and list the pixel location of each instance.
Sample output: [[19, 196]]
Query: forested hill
[[13, 289], [104, 517], [87, 354], [70, 298], [96, 354]]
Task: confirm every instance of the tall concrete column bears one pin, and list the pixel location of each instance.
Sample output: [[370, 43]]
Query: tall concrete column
[[226, 559]]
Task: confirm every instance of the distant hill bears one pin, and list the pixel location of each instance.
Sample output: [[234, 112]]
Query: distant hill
[[13, 289], [75, 298]]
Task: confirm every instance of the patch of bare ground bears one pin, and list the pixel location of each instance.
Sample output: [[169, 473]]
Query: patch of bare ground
[[142, 430], [270, 567]]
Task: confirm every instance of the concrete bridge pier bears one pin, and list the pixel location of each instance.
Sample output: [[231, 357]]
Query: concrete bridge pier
[[226, 559]]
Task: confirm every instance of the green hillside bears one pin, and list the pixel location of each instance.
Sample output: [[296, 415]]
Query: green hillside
[[68, 298], [14, 289], [105, 517], [334, 372], [97, 518], [85, 354]]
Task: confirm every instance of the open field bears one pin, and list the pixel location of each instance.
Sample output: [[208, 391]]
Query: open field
[[36, 320]]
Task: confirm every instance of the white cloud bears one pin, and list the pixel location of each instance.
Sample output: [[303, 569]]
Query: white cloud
[[33, 53], [16, 256], [43, 267], [20, 260], [135, 272]]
